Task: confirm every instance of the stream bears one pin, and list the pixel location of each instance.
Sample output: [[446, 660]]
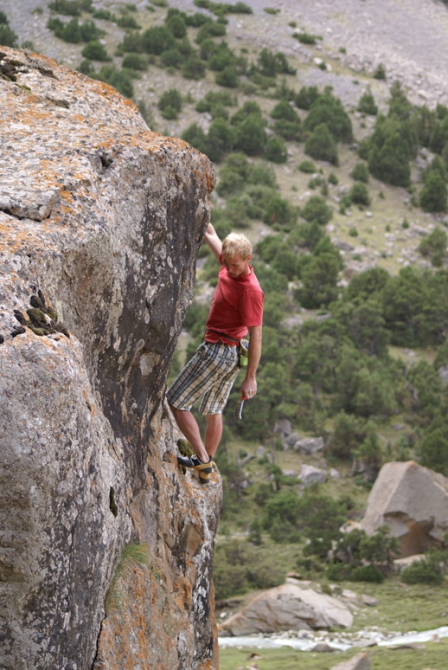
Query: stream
[[307, 640]]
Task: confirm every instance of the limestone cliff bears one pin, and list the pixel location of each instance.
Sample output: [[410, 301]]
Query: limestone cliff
[[105, 546]]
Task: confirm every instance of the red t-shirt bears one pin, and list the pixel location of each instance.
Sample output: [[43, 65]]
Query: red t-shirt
[[236, 306]]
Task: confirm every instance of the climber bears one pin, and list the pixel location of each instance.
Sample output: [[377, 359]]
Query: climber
[[236, 309]]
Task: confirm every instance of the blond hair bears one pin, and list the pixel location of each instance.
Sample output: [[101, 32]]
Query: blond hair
[[235, 243]]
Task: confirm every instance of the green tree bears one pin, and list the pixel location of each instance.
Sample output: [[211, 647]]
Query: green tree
[[7, 36], [250, 136], [157, 39], [95, 51], [176, 25], [367, 105], [219, 140], [193, 68], [306, 97], [276, 150], [360, 173], [321, 145], [319, 282], [359, 194], [170, 103], [434, 194], [390, 152], [347, 435], [329, 110], [316, 209], [195, 136], [279, 212], [227, 77]]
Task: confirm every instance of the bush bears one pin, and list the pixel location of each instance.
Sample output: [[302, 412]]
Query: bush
[[219, 140], [360, 173], [157, 39], [170, 104], [390, 150], [279, 212], [307, 167], [250, 135], [227, 77], [95, 51], [193, 68], [426, 571], [321, 145], [305, 38], [329, 110], [359, 194], [116, 78], [134, 61], [176, 25], [435, 242], [367, 573], [276, 150], [195, 136], [380, 72], [306, 97], [271, 64], [366, 104], [8, 37], [172, 58], [316, 209], [434, 194]]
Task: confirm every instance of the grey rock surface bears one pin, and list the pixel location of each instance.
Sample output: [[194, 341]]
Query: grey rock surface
[[359, 662], [413, 501], [288, 607], [100, 221]]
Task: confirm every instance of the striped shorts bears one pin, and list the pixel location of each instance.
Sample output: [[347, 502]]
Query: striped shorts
[[210, 374]]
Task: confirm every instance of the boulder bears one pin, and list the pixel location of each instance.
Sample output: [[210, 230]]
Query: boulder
[[284, 427], [288, 607], [106, 548], [359, 662], [401, 563], [310, 475], [309, 445], [291, 440], [413, 501]]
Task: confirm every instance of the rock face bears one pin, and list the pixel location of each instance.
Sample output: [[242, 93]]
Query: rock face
[[413, 501], [288, 607], [105, 546]]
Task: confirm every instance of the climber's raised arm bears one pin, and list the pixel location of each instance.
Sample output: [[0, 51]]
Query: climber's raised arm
[[213, 241]]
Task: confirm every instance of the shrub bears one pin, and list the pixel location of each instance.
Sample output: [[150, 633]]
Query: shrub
[[119, 79], [316, 209], [276, 151], [8, 37], [95, 51], [307, 167], [306, 97], [380, 72], [305, 38], [329, 110], [271, 64], [219, 140], [193, 68], [170, 104], [279, 211], [195, 136], [360, 172], [135, 62], [367, 573], [132, 43], [359, 194], [128, 22], [321, 145], [176, 26], [250, 135], [426, 571], [435, 242], [157, 39], [283, 110], [389, 152], [171, 58], [366, 104], [210, 29], [434, 194], [3, 19], [227, 77]]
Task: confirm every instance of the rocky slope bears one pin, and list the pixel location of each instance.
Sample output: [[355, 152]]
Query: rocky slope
[[106, 547]]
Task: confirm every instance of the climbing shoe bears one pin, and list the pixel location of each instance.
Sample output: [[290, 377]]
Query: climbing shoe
[[203, 469]]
